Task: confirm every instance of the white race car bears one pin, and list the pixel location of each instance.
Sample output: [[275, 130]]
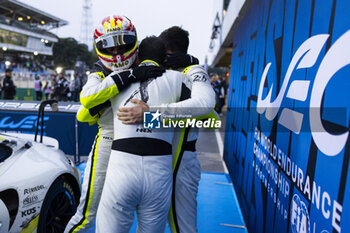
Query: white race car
[[39, 185]]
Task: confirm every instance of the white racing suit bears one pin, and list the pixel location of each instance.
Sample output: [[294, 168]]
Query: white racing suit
[[139, 175], [186, 167], [96, 167]]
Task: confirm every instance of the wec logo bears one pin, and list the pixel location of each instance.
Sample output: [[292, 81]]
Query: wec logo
[[337, 57], [29, 122]]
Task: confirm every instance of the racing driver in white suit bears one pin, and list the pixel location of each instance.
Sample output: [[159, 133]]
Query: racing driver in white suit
[[139, 175], [186, 167], [115, 54]]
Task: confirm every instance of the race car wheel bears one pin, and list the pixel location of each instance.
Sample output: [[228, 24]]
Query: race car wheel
[[59, 206]]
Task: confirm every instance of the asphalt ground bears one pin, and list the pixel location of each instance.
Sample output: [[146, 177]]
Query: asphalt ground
[[210, 148]]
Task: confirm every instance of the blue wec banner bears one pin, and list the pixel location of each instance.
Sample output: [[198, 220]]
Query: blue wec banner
[[21, 116], [287, 142]]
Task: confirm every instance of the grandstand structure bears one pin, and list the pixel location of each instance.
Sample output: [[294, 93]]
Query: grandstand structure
[[24, 35]]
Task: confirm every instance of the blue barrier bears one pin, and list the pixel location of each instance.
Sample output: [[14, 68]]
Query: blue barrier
[[287, 143], [17, 116]]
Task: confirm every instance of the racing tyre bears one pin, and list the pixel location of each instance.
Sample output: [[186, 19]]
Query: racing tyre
[[59, 206]]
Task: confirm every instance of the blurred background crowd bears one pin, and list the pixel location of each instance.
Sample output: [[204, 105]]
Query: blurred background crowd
[[62, 86]]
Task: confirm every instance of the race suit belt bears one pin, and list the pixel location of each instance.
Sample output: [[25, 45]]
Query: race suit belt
[[190, 146], [142, 146]]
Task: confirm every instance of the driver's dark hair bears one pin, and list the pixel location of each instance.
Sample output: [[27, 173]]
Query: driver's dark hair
[[152, 48], [175, 39]]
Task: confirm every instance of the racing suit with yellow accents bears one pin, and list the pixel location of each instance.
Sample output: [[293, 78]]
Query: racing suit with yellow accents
[[186, 167], [101, 113], [96, 165]]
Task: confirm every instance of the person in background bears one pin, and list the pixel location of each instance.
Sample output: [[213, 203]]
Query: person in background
[[76, 88], [224, 89], [8, 86], [83, 79], [224, 84], [212, 79], [47, 89], [62, 88], [53, 88], [37, 88], [219, 88]]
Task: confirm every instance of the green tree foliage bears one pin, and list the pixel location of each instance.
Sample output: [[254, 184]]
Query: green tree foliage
[[67, 51]]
